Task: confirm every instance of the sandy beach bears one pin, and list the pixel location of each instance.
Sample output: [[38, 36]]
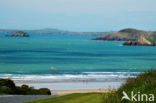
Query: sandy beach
[[64, 92], [69, 87], [73, 85]]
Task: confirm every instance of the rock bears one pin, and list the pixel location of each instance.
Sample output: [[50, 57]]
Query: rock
[[143, 41], [140, 42], [18, 34]]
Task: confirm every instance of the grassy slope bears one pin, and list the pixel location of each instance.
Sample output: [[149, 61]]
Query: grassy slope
[[75, 98], [145, 83]]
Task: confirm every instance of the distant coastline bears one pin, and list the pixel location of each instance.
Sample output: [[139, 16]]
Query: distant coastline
[[55, 31]]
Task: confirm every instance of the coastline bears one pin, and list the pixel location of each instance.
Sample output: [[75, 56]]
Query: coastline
[[80, 86], [70, 80], [64, 92], [75, 86]]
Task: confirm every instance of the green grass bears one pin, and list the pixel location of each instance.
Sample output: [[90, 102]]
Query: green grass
[[145, 83], [75, 98], [152, 40]]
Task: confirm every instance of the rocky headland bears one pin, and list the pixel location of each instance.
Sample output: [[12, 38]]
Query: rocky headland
[[132, 37]]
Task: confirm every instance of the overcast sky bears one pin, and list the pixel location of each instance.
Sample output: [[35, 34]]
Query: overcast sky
[[78, 15]]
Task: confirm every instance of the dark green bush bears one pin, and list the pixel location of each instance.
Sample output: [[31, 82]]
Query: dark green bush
[[7, 82], [6, 90], [44, 91], [7, 86]]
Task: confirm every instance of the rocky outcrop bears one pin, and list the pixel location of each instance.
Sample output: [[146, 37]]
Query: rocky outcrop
[[140, 42], [19, 34], [132, 37], [114, 38]]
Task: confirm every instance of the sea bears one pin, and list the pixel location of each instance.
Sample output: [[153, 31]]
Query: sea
[[54, 57]]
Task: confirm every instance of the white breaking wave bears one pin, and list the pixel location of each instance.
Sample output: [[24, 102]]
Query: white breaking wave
[[88, 76]]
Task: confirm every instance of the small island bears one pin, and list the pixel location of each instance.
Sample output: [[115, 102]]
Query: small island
[[132, 37], [19, 34]]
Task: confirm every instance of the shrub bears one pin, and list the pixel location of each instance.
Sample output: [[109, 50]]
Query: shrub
[[8, 83], [44, 91], [6, 90], [24, 86], [144, 83], [7, 86]]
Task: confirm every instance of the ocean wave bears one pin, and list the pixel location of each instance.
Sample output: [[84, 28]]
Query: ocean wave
[[82, 76]]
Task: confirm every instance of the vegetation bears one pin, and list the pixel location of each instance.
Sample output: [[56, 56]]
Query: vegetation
[[75, 98], [144, 83], [7, 86], [152, 40]]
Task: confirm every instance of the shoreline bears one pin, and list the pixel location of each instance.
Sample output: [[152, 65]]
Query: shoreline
[[64, 92], [74, 85], [68, 81]]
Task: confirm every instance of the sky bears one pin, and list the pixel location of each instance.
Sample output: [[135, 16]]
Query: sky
[[78, 15]]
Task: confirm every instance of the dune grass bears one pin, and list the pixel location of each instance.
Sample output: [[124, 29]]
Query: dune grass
[[144, 83]]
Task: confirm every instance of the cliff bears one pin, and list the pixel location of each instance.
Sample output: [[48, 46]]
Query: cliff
[[140, 42]]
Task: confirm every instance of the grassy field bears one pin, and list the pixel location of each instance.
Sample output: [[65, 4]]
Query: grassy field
[[75, 98], [145, 83]]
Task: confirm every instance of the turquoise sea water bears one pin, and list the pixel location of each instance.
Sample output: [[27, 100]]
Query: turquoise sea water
[[74, 57]]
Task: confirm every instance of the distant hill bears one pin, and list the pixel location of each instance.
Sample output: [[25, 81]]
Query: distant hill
[[133, 36], [54, 31]]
